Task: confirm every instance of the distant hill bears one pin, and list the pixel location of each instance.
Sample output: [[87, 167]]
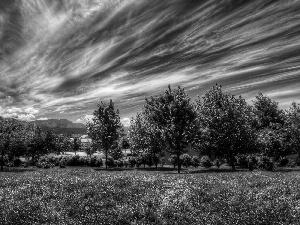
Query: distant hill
[[61, 126]]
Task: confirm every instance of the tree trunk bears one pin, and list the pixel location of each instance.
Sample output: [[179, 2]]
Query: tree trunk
[[156, 165], [106, 159], [232, 162], [2, 160], [178, 162]]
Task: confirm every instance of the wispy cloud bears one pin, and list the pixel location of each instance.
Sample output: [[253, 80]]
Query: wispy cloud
[[64, 57]]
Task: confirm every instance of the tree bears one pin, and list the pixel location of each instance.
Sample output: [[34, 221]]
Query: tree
[[146, 139], [267, 112], [105, 127], [270, 125], [51, 142], [226, 125], [37, 143], [292, 127], [76, 145], [137, 135], [172, 115], [14, 138]]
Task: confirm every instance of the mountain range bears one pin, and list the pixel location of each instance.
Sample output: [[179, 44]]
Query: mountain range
[[61, 126]]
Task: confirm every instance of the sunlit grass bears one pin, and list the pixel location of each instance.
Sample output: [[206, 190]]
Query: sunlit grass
[[85, 196]]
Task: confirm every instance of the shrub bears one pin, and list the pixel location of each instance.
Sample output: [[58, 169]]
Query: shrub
[[195, 161], [266, 163], [95, 162], [44, 163], [119, 163], [283, 161], [149, 161], [217, 163], [162, 161], [17, 161], [205, 161], [291, 163], [297, 161], [173, 160], [132, 161], [62, 163], [242, 160], [110, 162], [186, 160]]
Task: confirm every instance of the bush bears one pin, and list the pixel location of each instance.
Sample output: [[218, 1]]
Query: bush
[[195, 161], [44, 163], [266, 163], [217, 163], [205, 161], [173, 160], [186, 160], [283, 161], [162, 161], [242, 160], [95, 162], [16, 161], [132, 161], [62, 163], [119, 163], [110, 162]]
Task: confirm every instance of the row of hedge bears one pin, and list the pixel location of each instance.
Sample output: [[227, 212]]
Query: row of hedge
[[243, 161]]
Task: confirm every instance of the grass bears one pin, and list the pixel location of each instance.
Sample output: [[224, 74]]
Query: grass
[[87, 196]]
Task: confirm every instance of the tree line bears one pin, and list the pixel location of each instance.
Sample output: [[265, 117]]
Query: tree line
[[218, 124], [20, 138]]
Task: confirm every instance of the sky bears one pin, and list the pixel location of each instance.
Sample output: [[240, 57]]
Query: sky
[[60, 58]]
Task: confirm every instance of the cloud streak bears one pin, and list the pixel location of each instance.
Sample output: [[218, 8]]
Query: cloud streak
[[67, 56]]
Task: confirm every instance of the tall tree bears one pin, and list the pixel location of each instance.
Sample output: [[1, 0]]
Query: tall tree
[[105, 127], [173, 115], [226, 125]]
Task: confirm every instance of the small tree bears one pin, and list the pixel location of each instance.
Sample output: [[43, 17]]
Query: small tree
[[146, 139], [104, 129], [76, 145]]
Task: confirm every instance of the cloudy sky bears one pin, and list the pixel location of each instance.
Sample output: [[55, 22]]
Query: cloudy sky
[[60, 58]]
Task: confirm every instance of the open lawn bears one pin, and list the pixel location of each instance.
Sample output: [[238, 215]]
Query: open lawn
[[87, 196]]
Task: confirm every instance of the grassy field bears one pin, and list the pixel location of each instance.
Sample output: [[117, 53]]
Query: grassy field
[[86, 196]]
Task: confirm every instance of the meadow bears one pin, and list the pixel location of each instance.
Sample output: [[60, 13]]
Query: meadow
[[87, 196]]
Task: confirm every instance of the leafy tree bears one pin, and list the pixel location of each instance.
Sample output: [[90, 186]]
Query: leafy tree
[[267, 112], [292, 127], [172, 115], [51, 142], [272, 135], [226, 125], [37, 144], [105, 128], [137, 135], [146, 140]]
